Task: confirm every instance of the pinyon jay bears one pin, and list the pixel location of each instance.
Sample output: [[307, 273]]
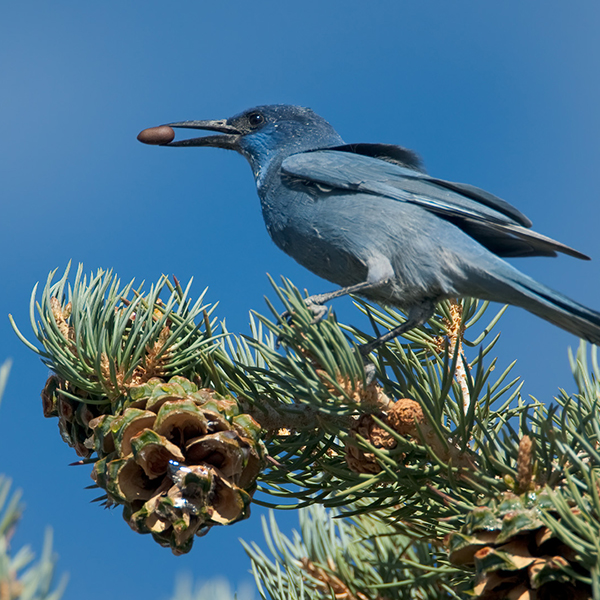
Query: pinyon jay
[[368, 218]]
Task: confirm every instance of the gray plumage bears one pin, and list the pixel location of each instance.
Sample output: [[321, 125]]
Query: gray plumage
[[368, 218]]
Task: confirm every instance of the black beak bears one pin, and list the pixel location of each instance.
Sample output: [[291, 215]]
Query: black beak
[[228, 140], [163, 135]]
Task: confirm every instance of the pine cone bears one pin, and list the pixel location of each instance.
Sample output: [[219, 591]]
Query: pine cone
[[401, 416], [365, 462], [179, 459], [515, 555], [60, 399]]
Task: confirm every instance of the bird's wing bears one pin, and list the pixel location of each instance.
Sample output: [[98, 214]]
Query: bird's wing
[[491, 221]]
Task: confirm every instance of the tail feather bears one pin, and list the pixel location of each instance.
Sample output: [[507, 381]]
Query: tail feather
[[524, 291]]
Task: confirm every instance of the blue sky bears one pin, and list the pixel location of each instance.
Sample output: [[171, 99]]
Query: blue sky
[[503, 95]]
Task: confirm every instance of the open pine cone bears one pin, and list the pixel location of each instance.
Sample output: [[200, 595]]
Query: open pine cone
[[515, 555], [178, 458]]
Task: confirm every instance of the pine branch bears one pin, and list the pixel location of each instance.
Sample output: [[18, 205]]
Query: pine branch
[[358, 559], [430, 441]]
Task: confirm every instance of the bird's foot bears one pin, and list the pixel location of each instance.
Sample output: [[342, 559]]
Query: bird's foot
[[313, 303], [316, 307]]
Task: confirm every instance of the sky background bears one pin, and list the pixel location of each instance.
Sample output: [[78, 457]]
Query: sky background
[[502, 95]]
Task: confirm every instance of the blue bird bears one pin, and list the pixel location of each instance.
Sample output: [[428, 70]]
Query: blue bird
[[368, 218]]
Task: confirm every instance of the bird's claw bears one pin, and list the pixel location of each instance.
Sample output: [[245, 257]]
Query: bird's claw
[[318, 310]]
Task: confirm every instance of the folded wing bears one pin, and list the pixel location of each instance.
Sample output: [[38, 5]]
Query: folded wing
[[387, 171]]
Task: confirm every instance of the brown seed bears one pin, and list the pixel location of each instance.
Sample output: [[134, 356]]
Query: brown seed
[[156, 135]]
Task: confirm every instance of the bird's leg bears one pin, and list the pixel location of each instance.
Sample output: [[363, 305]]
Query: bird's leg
[[316, 302], [379, 273], [416, 316]]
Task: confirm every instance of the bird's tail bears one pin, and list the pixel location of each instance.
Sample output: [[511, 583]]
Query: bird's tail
[[521, 290]]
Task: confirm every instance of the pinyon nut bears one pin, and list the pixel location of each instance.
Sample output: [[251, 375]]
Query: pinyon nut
[[157, 135]]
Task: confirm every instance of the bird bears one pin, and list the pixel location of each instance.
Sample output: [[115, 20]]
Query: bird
[[368, 218]]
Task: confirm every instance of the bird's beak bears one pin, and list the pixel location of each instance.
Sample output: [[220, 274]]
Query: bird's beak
[[229, 138]]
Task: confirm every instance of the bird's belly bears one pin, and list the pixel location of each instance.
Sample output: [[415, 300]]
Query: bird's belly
[[338, 236], [323, 254]]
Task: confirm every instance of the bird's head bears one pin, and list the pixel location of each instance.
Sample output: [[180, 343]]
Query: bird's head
[[261, 134]]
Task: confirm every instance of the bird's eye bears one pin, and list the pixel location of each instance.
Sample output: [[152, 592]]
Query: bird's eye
[[255, 119]]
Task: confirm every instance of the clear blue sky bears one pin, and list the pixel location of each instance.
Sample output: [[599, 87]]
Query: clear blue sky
[[503, 95]]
